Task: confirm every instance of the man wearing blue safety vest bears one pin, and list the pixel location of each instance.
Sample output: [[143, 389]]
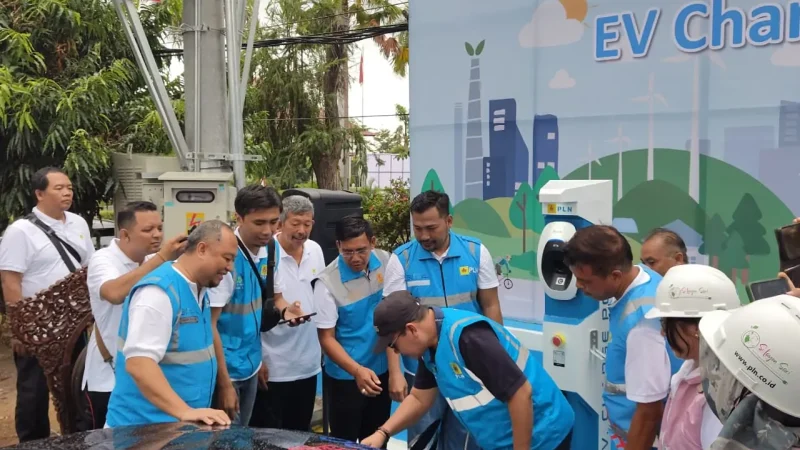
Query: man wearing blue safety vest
[[639, 362], [361, 384], [166, 368], [236, 304], [442, 269], [493, 384]]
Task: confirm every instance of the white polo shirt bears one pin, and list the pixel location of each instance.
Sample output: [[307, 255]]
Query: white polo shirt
[[293, 353], [107, 264], [27, 250], [395, 274], [647, 365]]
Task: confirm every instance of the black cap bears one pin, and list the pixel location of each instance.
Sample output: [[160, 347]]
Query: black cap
[[391, 316]]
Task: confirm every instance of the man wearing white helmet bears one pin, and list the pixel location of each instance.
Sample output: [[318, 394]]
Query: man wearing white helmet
[[686, 294], [749, 363]]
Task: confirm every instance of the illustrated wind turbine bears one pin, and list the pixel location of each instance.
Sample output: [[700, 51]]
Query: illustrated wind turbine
[[619, 139], [590, 159], [651, 98], [694, 141]]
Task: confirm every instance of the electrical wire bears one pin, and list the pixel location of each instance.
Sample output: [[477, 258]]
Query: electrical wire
[[330, 16], [332, 38], [281, 119]]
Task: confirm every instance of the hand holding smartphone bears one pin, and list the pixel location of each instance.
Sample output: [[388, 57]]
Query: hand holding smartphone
[[768, 288], [301, 319]]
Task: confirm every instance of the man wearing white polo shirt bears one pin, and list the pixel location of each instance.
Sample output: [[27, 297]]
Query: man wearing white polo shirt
[[112, 273], [32, 261], [293, 355]]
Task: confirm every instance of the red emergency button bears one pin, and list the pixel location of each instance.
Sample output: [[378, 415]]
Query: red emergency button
[[558, 340]]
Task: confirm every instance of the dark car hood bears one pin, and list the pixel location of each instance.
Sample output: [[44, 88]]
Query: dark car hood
[[184, 436]]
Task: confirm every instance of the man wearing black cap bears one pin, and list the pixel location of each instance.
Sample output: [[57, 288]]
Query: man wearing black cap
[[481, 369]]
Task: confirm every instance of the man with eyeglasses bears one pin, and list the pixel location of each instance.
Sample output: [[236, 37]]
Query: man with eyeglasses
[[361, 384]]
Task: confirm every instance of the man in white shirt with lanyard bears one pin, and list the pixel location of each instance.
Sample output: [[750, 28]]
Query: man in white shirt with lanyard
[[112, 272], [293, 354], [32, 261]]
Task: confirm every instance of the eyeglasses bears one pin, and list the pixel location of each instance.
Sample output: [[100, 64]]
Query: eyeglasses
[[351, 253], [394, 342]]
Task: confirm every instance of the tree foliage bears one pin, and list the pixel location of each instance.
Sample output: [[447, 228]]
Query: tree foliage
[[388, 211], [293, 114], [395, 141], [734, 258], [714, 239], [746, 222], [371, 13], [66, 77]]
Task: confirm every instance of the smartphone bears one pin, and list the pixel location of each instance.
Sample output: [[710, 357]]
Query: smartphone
[[306, 317], [767, 288], [789, 243]]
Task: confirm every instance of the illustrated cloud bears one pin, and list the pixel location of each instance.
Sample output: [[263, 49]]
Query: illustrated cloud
[[550, 27], [787, 56], [562, 80]]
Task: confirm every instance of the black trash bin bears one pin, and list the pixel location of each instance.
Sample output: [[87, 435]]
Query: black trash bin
[[329, 208]]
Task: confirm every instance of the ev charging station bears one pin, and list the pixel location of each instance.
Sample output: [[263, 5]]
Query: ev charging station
[[573, 337]]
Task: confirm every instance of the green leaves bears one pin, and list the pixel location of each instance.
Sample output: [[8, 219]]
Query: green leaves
[[69, 96], [477, 50]]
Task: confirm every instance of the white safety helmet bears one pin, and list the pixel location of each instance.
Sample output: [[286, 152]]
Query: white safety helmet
[[756, 344], [692, 290]]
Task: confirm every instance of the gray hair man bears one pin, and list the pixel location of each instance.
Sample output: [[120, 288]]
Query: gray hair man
[[662, 250], [293, 354], [166, 366]]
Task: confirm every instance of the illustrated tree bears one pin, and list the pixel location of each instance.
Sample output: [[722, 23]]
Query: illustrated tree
[[734, 258], [746, 224], [522, 211], [432, 183], [548, 174], [714, 239]]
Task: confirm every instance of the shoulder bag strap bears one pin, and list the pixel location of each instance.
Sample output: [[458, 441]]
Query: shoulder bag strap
[[58, 243], [102, 347], [270, 291], [269, 315]]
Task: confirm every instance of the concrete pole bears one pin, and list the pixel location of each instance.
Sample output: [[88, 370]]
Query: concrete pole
[[205, 75]]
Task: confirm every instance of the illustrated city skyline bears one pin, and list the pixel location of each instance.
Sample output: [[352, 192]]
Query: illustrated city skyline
[[752, 149]]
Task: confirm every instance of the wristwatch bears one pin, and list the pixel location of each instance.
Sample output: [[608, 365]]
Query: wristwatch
[[385, 434]]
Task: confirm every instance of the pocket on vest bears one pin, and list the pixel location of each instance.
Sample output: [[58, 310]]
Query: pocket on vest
[[189, 393], [230, 342]]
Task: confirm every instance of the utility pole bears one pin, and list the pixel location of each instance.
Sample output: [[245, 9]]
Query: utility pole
[[214, 128], [207, 127]]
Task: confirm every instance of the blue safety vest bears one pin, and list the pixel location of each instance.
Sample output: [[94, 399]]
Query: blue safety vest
[[356, 296], [485, 417], [239, 324], [189, 364], [452, 284], [628, 312]]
